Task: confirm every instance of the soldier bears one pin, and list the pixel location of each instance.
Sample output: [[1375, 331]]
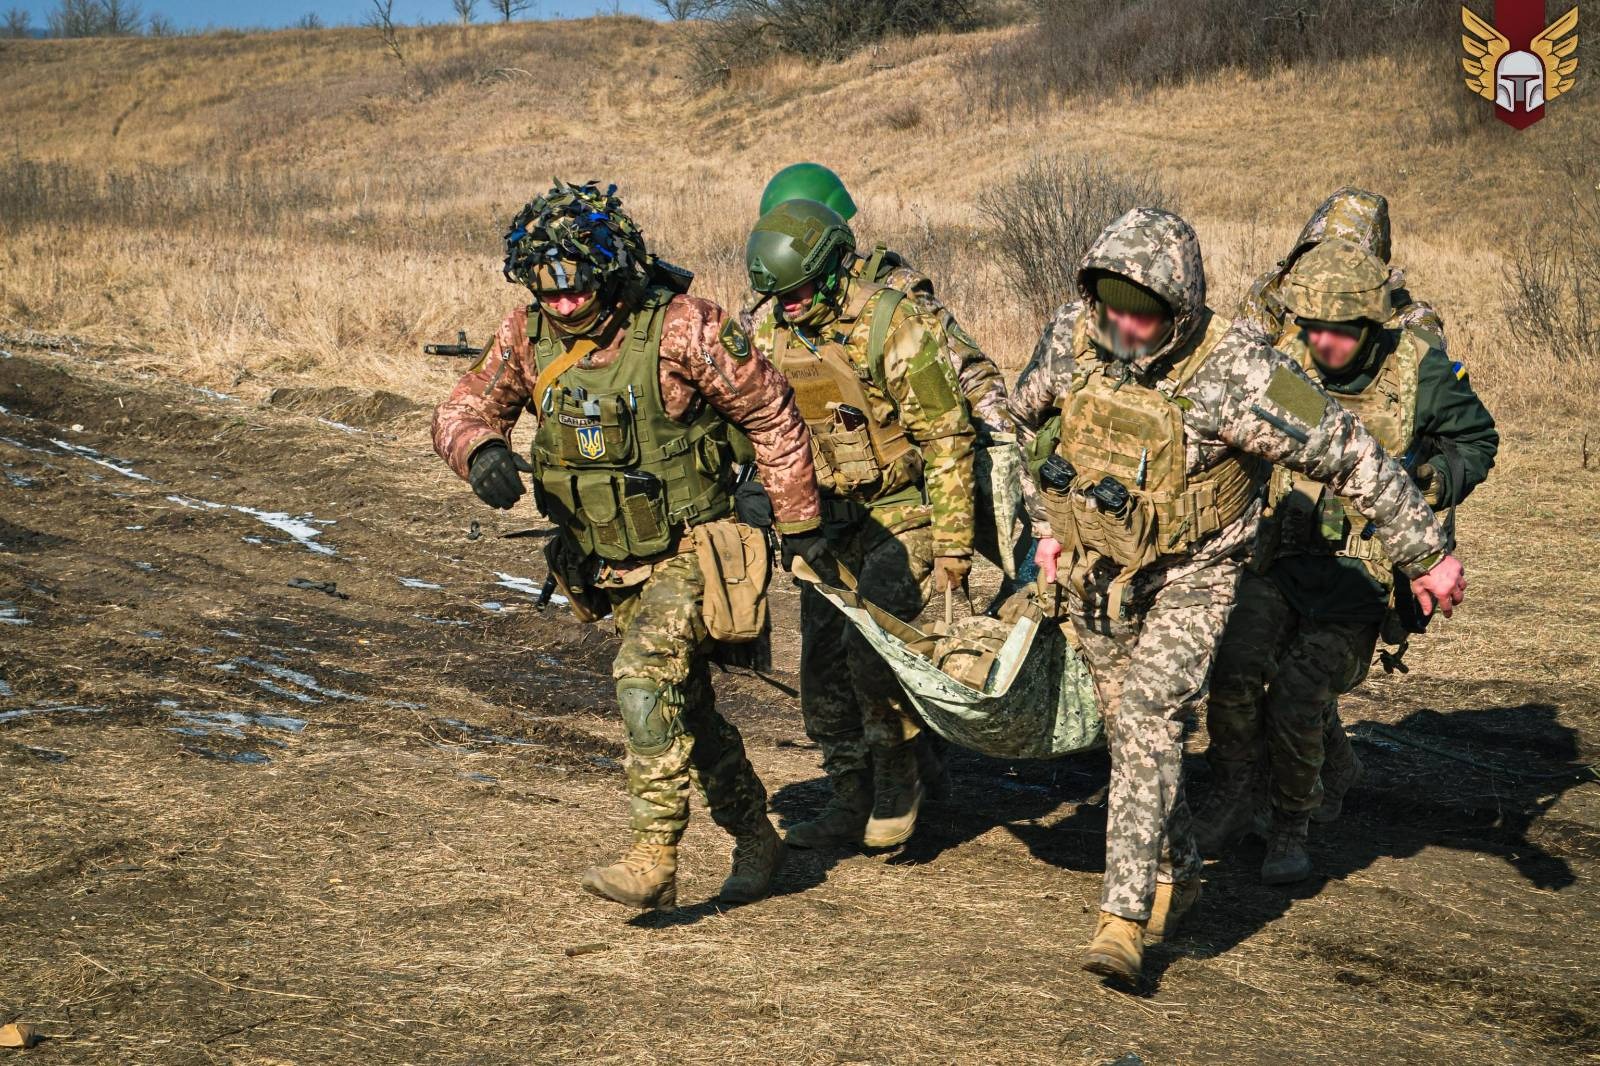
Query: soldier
[[634, 386], [893, 444], [1152, 474], [1353, 215], [1311, 606]]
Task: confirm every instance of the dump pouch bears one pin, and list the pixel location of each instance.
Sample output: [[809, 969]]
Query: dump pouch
[[737, 568]]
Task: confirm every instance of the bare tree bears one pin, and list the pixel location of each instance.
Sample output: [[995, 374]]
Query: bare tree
[[120, 18], [680, 10], [18, 22], [507, 8], [380, 19], [465, 10], [76, 18], [309, 21], [160, 26]]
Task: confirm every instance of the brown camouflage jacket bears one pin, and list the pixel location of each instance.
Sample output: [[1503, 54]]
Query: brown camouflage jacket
[[1246, 397], [695, 369]]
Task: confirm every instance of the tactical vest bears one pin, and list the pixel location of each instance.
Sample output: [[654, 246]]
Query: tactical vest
[[1118, 426], [619, 476], [867, 459], [1302, 517]]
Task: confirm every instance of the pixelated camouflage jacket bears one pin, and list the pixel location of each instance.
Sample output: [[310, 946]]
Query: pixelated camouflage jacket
[[981, 381], [938, 424], [695, 368], [1246, 397], [1362, 218]]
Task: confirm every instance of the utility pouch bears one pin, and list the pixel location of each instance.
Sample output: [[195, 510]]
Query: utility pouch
[[572, 579], [737, 569], [852, 463]]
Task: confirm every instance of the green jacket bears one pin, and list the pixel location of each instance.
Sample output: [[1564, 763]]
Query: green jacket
[[1338, 589]]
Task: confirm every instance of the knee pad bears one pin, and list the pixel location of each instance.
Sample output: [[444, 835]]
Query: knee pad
[[650, 714]]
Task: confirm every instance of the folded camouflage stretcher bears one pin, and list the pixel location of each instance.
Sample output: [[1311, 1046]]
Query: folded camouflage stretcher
[[1036, 700]]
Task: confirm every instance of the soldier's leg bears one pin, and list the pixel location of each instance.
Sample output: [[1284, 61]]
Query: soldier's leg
[[894, 576], [718, 764], [1247, 661], [1148, 831], [1341, 767], [1319, 661]]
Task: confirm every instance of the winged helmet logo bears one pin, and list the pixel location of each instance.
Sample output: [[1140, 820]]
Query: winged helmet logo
[[1515, 65]]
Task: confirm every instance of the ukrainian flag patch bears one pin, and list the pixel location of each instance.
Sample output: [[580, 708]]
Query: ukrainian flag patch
[[1459, 369]]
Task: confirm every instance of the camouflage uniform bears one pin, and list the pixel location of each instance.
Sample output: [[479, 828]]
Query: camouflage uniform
[[1152, 661], [1357, 216], [703, 359], [889, 532], [1308, 619]]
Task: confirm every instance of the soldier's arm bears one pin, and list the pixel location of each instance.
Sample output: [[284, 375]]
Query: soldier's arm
[[1449, 409], [918, 376], [706, 351], [979, 379], [1039, 389], [485, 403], [1254, 398]]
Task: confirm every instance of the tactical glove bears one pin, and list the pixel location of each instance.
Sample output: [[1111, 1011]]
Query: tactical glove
[[811, 546], [950, 572], [1431, 484], [752, 505], [493, 475]]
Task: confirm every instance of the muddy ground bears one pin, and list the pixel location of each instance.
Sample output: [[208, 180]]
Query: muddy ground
[[255, 823]]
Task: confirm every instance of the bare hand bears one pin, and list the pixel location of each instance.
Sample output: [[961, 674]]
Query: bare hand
[[1046, 555], [1443, 587]]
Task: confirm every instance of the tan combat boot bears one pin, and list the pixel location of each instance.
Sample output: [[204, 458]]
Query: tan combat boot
[[1341, 770], [1117, 949], [645, 877], [1229, 809], [897, 796], [756, 858], [1286, 861], [842, 821], [1172, 902]]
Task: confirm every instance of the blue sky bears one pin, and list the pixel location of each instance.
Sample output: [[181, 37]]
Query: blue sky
[[198, 14]]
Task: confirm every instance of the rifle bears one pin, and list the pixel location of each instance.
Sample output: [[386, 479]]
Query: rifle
[[459, 350]]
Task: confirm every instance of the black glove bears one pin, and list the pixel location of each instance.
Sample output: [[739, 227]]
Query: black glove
[[493, 475], [811, 546], [752, 504]]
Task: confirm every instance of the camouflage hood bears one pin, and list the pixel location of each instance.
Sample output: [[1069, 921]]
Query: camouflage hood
[[1351, 214], [1160, 251]]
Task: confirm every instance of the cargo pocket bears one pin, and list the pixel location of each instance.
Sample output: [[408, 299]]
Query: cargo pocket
[[598, 497], [648, 526]]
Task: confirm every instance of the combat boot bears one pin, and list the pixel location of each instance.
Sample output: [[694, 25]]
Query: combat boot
[[1117, 949], [756, 858], [1173, 901], [1229, 809], [1341, 770], [932, 768], [896, 796], [645, 877], [1286, 861], [842, 821]]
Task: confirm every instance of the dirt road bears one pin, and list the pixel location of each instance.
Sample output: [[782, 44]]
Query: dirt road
[[255, 823]]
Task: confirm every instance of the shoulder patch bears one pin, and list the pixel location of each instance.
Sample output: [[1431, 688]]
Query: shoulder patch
[[1295, 395], [735, 341]]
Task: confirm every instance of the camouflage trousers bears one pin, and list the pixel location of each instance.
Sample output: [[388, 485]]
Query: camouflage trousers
[[1276, 689], [849, 697], [664, 642], [1150, 672]]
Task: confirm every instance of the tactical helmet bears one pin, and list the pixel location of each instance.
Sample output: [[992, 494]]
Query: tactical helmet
[[796, 242], [576, 238], [808, 181], [1338, 281]]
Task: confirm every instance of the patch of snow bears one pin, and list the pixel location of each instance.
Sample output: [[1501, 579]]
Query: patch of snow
[[305, 681], [340, 426], [212, 393], [302, 529], [11, 615], [418, 583], [49, 708], [121, 466], [518, 584]]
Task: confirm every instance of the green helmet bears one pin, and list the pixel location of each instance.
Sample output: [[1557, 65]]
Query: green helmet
[[1337, 281], [808, 181], [796, 242]]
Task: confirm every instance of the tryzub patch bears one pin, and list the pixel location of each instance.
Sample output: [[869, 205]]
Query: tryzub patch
[[735, 341]]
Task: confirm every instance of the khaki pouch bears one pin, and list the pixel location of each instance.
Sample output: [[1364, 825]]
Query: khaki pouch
[[737, 569]]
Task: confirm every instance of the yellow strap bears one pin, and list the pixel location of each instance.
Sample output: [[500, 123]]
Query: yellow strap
[[560, 365]]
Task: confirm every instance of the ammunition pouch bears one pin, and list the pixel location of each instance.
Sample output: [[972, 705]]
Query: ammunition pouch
[[736, 564], [845, 459], [651, 714]]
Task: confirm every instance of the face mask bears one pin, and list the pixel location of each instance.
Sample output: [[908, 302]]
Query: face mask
[[581, 320], [821, 310]]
